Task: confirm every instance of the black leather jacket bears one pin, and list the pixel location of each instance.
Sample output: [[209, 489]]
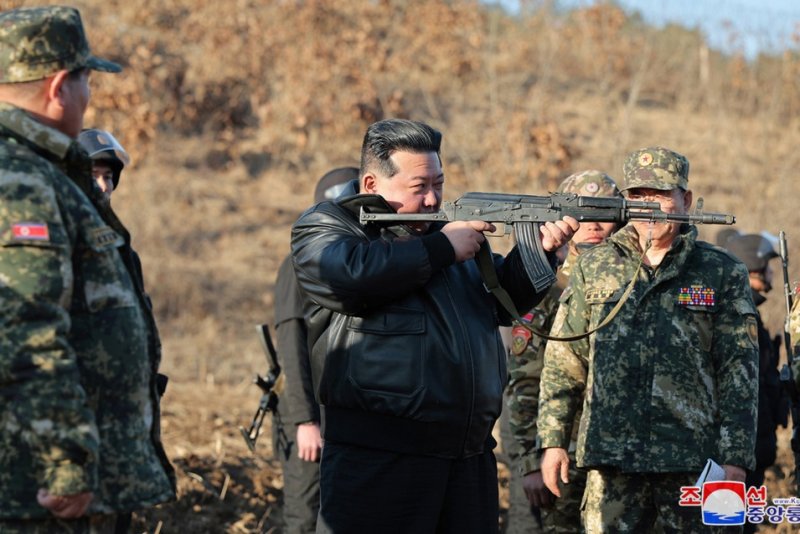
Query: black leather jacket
[[406, 353]]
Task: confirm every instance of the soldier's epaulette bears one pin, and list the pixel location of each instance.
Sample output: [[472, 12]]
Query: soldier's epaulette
[[600, 248], [19, 157]]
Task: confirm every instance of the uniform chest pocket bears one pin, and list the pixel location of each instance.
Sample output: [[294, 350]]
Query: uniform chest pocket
[[387, 351], [600, 303], [694, 326], [101, 272]]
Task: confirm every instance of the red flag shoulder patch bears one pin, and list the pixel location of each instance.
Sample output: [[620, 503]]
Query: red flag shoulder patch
[[30, 231]]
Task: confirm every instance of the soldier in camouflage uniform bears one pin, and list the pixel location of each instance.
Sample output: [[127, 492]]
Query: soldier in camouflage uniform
[[794, 333], [670, 382], [756, 251], [794, 320], [525, 367], [80, 445]]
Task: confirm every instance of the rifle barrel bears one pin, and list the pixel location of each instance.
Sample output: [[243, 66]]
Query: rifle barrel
[[787, 291], [692, 218]]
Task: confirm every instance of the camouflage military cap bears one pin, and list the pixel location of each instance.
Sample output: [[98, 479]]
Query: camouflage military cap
[[656, 168], [589, 183], [38, 42]]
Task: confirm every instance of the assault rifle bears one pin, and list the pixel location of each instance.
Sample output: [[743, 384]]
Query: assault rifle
[[271, 386], [787, 378], [525, 213]]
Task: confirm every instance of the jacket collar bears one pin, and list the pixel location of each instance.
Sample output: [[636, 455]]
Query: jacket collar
[[43, 139], [627, 239], [49, 143], [351, 200]]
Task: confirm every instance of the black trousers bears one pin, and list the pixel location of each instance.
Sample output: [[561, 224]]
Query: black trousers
[[368, 490], [300, 485]]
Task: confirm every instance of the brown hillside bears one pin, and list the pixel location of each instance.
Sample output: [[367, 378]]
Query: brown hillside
[[232, 109]]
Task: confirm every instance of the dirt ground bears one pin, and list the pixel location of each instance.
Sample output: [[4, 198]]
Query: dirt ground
[[230, 115], [223, 488]]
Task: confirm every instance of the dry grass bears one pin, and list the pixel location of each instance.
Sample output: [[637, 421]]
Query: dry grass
[[231, 110]]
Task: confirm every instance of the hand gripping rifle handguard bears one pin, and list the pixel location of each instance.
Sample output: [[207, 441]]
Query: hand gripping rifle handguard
[[525, 213], [271, 386]]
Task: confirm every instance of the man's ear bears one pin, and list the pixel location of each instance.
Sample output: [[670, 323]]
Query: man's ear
[[687, 199], [55, 90], [369, 183]]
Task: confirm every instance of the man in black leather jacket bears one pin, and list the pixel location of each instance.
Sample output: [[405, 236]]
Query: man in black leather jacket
[[406, 355]]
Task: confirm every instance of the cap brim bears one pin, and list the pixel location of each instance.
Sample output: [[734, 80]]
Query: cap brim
[[103, 65], [649, 185]]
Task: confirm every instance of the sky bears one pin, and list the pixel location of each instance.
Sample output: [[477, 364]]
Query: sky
[[748, 26]]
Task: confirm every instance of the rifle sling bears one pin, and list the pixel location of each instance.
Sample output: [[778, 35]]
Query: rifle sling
[[490, 280]]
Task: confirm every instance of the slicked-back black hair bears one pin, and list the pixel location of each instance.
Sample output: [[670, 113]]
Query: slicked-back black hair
[[386, 137]]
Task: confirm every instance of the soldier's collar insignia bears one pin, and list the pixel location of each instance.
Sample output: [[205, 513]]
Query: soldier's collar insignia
[[697, 295]]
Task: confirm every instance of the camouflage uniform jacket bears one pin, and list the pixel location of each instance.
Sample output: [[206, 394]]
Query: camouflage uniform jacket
[[673, 379], [525, 363], [78, 348], [794, 333]]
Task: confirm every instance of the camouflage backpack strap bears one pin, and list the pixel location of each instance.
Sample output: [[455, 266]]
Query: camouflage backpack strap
[[489, 275]]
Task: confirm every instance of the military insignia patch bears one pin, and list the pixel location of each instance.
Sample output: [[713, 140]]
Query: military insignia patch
[[103, 236], [697, 296], [752, 329], [30, 231], [592, 187], [599, 295], [520, 337], [645, 159]]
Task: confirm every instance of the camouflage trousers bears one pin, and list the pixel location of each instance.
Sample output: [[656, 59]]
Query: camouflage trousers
[[96, 524], [641, 502], [520, 518], [564, 517]]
